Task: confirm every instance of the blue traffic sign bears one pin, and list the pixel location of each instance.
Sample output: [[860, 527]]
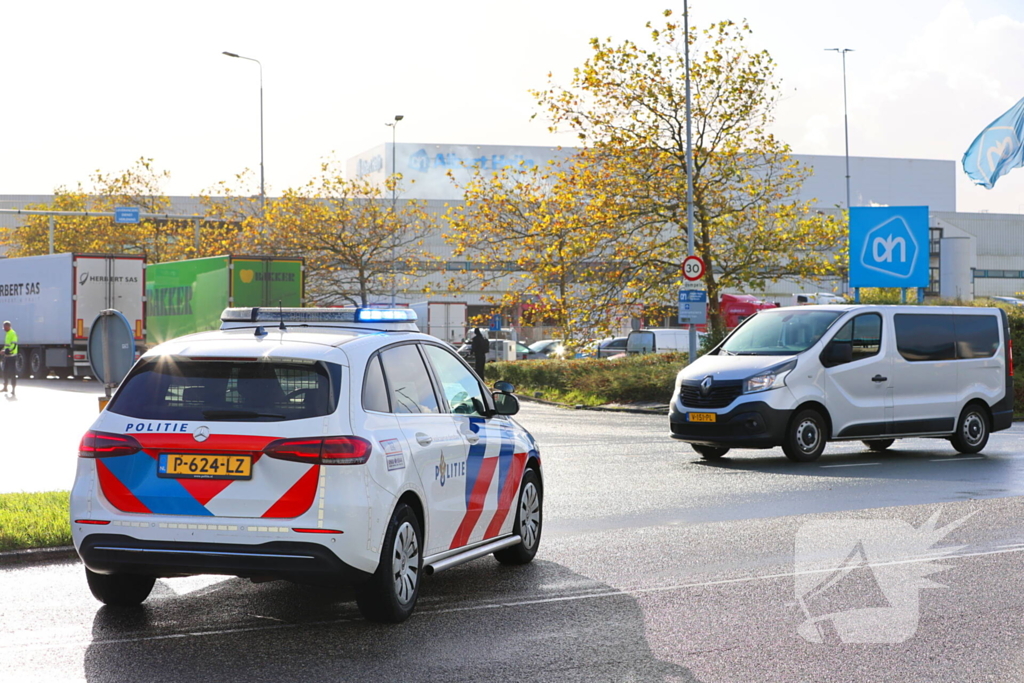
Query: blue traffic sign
[[889, 246], [496, 322], [126, 214]]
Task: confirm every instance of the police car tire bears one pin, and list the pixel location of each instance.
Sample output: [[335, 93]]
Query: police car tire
[[378, 599], [710, 452], [972, 429], [119, 590], [879, 445], [531, 500], [805, 436]]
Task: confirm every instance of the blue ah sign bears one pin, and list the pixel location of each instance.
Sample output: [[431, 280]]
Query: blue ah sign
[[889, 246]]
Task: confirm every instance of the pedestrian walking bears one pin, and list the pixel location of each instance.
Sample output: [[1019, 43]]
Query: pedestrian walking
[[10, 353], [480, 348]]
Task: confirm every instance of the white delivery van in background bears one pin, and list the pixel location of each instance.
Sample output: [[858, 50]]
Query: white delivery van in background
[[801, 376], [659, 340], [442, 319], [818, 298]]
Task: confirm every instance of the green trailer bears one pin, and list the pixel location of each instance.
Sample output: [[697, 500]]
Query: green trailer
[[183, 297]]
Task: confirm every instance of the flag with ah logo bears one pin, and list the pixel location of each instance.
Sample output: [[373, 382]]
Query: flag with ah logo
[[997, 149]]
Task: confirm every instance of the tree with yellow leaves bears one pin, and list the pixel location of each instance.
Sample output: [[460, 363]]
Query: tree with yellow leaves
[[358, 243], [626, 105]]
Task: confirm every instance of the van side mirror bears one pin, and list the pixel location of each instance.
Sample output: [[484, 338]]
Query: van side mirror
[[837, 353]]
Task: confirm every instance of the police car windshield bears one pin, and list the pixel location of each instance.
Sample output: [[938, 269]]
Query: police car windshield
[[782, 332], [169, 388]]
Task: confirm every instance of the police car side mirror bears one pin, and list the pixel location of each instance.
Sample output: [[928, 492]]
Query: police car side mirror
[[505, 404], [504, 387], [837, 353]]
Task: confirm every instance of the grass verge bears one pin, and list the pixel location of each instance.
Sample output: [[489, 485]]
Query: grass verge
[[34, 520], [593, 381]]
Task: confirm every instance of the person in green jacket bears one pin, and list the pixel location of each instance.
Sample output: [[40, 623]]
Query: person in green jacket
[[10, 354]]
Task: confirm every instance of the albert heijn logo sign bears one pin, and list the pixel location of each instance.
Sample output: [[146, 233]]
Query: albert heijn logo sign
[[889, 246]]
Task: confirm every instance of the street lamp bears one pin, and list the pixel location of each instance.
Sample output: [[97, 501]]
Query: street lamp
[[394, 197], [263, 193], [846, 119]]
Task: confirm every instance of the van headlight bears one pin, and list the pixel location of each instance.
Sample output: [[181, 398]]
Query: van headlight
[[770, 379]]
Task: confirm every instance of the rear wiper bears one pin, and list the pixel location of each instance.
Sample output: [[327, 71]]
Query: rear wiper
[[217, 414]]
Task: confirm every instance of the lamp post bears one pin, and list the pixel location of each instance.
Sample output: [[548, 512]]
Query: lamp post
[[394, 197], [690, 239], [263, 193], [846, 119]]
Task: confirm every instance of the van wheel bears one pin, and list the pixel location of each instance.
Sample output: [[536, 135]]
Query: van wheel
[[971, 430], [119, 590], [879, 444], [390, 594], [805, 437], [709, 452]]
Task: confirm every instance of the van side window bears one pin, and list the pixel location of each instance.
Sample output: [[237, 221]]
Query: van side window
[[977, 336], [925, 337], [863, 333]]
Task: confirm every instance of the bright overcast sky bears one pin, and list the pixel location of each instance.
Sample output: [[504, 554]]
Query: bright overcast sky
[[96, 85]]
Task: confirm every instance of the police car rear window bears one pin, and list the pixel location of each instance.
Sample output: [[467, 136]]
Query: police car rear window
[[169, 388]]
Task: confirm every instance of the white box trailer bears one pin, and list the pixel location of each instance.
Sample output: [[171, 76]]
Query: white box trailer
[[443, 319], [53, 300]]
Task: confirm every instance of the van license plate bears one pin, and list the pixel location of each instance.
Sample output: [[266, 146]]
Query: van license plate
[[204, 466], [702, 417]]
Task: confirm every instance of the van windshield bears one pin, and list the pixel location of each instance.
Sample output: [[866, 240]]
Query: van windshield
[[169, 388], [782, 332]]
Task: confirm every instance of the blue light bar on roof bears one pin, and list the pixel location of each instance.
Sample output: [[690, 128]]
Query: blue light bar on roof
[[385, 315], [298, 316]]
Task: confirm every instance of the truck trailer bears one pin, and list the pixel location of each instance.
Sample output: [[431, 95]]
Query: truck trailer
[[442, 319], [189, 296], [53, 300]]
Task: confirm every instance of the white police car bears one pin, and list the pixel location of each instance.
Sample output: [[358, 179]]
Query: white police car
[[320, 446]]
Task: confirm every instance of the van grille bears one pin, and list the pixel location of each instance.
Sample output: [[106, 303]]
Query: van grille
[[721, 394]]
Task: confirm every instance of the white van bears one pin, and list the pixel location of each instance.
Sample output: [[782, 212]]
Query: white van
[[799, 377]]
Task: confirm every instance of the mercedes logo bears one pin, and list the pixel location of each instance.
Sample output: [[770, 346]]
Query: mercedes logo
[[705, 385], [201, 433]]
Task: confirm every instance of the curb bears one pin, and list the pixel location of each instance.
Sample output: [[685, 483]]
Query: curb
[[657, 410], [37, 556]]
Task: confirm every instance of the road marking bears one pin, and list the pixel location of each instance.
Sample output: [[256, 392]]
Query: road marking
[[974, 457], [611, 593], [854, 464]]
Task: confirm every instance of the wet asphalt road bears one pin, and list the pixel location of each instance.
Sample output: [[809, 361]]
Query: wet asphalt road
[[654, 566]]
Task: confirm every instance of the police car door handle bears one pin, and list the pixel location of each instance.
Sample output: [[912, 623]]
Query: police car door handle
[[423, 439], [879, 378], [473, 439]]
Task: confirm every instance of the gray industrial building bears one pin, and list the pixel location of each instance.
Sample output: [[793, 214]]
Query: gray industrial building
[[989, 247]]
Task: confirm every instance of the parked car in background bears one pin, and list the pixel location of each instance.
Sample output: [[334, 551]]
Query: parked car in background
[[606, 348], [546, 348], [1008, 300], [501, 349]]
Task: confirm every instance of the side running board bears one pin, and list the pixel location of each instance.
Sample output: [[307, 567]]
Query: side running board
[[433, 566]]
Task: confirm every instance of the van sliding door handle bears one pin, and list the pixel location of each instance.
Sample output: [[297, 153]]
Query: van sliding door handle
[[879, 378]]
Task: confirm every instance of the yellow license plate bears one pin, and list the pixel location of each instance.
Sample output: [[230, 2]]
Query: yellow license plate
[[204, 466], [702, 417]]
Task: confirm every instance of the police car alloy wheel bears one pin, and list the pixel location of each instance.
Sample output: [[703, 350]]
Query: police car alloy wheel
[[119, 590], [529, 522], [391, 594]]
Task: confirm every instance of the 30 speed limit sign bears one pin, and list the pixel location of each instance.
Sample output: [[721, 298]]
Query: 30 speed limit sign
[[693, 268]]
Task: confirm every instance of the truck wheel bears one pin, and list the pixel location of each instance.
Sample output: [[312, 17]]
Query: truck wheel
[[36, 364], [971, 430], [805, 436], [19, 365]]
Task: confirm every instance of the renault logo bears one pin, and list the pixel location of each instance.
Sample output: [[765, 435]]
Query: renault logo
[[201, 434], [705, 385]]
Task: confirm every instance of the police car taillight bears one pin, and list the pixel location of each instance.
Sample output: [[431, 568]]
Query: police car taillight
[[104, 445], [332, 450]]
